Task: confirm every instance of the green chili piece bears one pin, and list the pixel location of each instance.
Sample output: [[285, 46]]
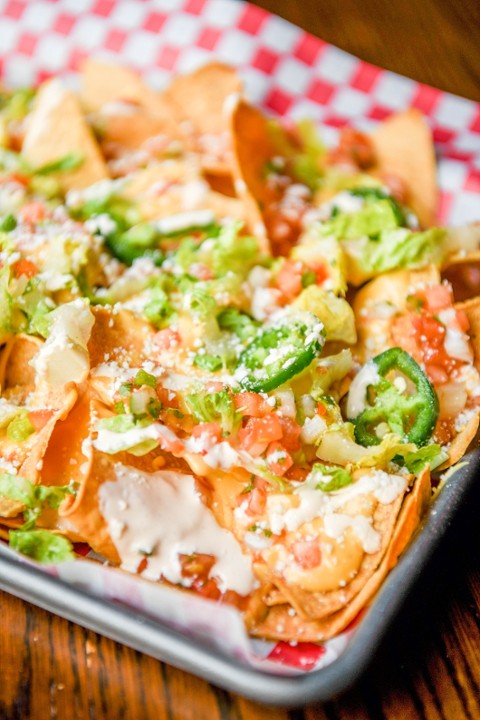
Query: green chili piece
[[412, 416]]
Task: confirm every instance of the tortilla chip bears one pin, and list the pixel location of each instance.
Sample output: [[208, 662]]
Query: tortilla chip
[[252, 149], [404, 147], [56, 128], [104, 83], [18, 373], [379, 301], [175, 187], [282, 622], [83, 517], [472, 310], [118, 336], [35, 446], [10, 508], [200, 97], [132, 126], [317, 605]]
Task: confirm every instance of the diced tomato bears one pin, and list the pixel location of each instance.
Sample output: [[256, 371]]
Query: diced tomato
[[142, 565], [354, 148], [321, 271], [278, 459], [321, 409], [33, 213], [213, 429], [39, 418], [307, 553], [437, 374], [297, 474], [200, 271], [258, 433], [171, 445], [290, 434], [462, 320], [251, 404], [256, 501], [437, 297], [25, 267], [196, 565], [214, 386], [404, 336], [289, 279], [167, 339], [166, 397]]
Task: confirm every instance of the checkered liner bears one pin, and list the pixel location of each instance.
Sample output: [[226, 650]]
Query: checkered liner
[[286, 71]]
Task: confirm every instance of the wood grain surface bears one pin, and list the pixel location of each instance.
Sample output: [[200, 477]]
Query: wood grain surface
[[429, 667]]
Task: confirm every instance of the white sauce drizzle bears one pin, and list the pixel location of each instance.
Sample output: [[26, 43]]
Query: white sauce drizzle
[[357, 394], [161, 515]]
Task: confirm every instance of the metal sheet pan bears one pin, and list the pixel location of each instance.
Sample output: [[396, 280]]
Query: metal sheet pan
[[158, 640]]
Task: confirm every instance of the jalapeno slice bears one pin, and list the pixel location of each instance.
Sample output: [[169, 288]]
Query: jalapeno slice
[[411, 416], [280, 352]]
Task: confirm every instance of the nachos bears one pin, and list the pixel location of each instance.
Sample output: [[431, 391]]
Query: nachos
[[232, 360]]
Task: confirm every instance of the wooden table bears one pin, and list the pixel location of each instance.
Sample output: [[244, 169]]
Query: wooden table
[[430, 665]]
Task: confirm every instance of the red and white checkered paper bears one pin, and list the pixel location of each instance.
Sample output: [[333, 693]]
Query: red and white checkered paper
[[290, 74]]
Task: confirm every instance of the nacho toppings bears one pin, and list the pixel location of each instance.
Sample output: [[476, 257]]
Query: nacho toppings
[[228, 358]]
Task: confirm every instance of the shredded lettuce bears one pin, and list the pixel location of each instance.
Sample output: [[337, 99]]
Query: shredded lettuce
[[433, 455], [338, 446], [227, 252], [329, 478], [34, 497], [213, 407], [395, 248], [238, 322], [42, 545], [370, 220]]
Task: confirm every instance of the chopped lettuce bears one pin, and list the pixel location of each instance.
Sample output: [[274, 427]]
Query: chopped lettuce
[[370, 220], [34, 497], [398, 248], [238, 322], [6, 304], [329, 478], [43, 546], [20, 427], [338, 446], [433, 455], [316, 250], [213, 407], [226, 252], [124, 432]]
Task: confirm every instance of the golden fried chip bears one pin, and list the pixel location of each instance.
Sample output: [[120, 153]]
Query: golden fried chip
[[200, 97], [56, 128], [404, 148], [282, 622]]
